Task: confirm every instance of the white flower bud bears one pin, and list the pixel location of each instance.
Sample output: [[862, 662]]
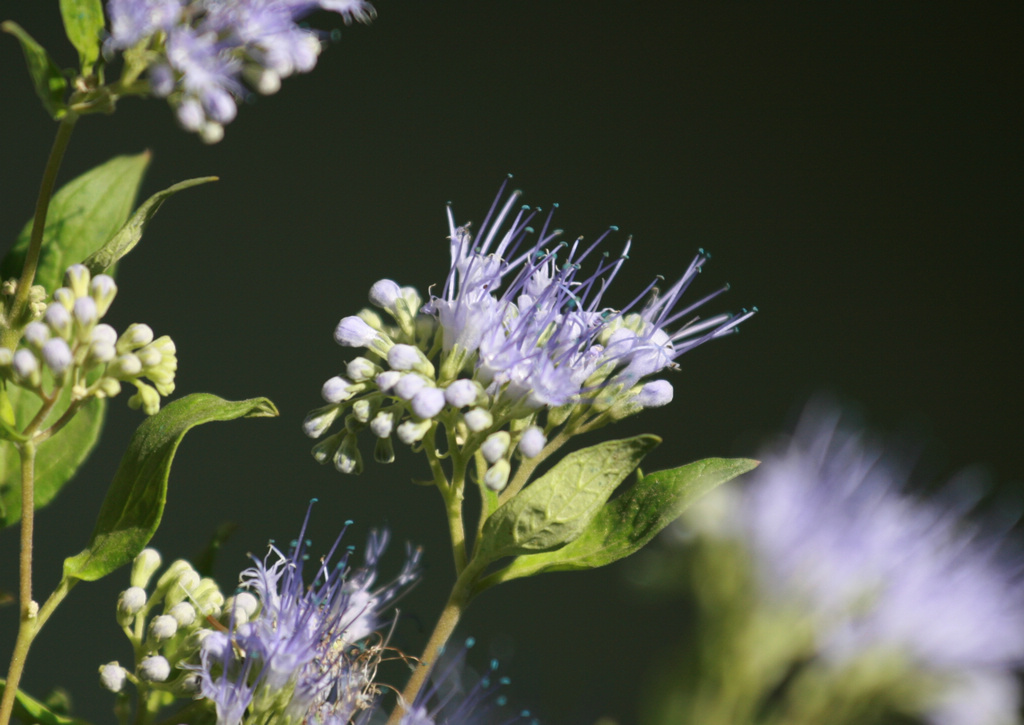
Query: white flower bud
[[361, 369], [162, 628], [532, 442], [382, 424], [184, 614], [131, 601], [478, 419], [655, 394], [57, 355], [126, 366], [112, 676], [428, 402], [103, 289], [404, 357], [137, 335], [146, 398], [495, 446], [362, 410], [496, 477], [336, 390], [384, 294], [408, 385], [25, 364], [108, 388], [354, 332], [149, 357], [58, 318], [85, 312], [462, 392], [411, 432], [77, 278], [64, 297], [103, 334], [36, 333], [154, 669], [211, 133], [243, 601], [319, 420], [100, 353], [387, 380]]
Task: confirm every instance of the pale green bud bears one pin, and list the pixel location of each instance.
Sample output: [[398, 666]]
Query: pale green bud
[[347, 458], [103, 289], [107, 388], [324, 450], [134, 337], [146, 398], [412, 431], [496, 477], [77, 278], [162, 628], [65, 297], [184, 614], [384, 451], [495, 446], [478, 419], [169, 579], [363, 410], [125, 367], [360, 369], [144, 566], [319, 420], [207, 598]]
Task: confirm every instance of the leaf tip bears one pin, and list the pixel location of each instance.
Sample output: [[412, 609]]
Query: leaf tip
[[263, 408]]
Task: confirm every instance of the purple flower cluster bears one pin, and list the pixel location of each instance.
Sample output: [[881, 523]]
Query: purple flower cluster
[[298, 652], [197, 52], [828, 529]]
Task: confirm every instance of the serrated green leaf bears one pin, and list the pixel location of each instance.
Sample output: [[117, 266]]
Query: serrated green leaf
[[125, 239], [134, 504], [83, 23], [556, 508], [49, 82], [626, 523], [83, 215], [30, 711]]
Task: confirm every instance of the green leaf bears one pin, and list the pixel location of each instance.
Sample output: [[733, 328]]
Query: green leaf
[[629, 521], [30, 711], [129, 235], [83, 23], [57, 459], [556, 508], [83, 215], [134, 505], [50, 83]]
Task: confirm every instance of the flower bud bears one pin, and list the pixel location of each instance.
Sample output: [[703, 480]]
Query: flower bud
[[387, 380], [496, 477], [478, 419], [347, 458], [190, 685], [245, 601], [382, 424], [112, 676], [85, 314], [108, 388], [25, 366], [59, 319], [154, 669], [208, 599], [57, 355], [324, 450], [103, 289], [77, 278], [363, 410], [145, 564], [184, 614], [428, 402], [183, 587], [462, 392], [384, 294], [360, 369], [162, 628], [146, 398], [655, 394], [408, 385], [354, 332], [411, 431], [64, 297], [131, 601], [319, 420], [404, 357], [532, 442], [336, 389], [495, 446], [36, 334], [384, 451], [169, 579]]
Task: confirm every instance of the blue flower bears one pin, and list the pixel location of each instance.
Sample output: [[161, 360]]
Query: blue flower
[[307, 654], [830, 532]]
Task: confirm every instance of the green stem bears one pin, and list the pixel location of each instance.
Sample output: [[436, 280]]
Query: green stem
[[450, 615], [28, 625], [28, 271]]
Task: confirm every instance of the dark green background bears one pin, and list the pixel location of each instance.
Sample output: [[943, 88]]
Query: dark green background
[[855, 169]]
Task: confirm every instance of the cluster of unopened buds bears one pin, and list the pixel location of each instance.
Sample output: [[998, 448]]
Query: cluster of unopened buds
[[68, 345], [168, 625], [516, 347]]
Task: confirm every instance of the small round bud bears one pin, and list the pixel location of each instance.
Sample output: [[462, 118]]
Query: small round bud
[[347, 458], [496, 477], [108, 388], [211, 133], [184, 614], [404, 357], [103, 334], [112, 676], [85, 312], [354, 332], [150, 357], [126, 366], [408, 385], [162, 628], [495, 446], [135, 336], [411, 431], [103, 289], [462, 392], [100, 353], [146, 398], [478, 419], [243, 601], [77, 278], [57, 355], [382, 424], [387, 380], [154, 669], [361, 369], [362, 410], [336, 390], [24, 364], [58, 318], [131, 601], [428, 402], [190, 685], [319, 420], [384, 294], [532, 442], [36, 333], [64, 297], [655, 394]]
